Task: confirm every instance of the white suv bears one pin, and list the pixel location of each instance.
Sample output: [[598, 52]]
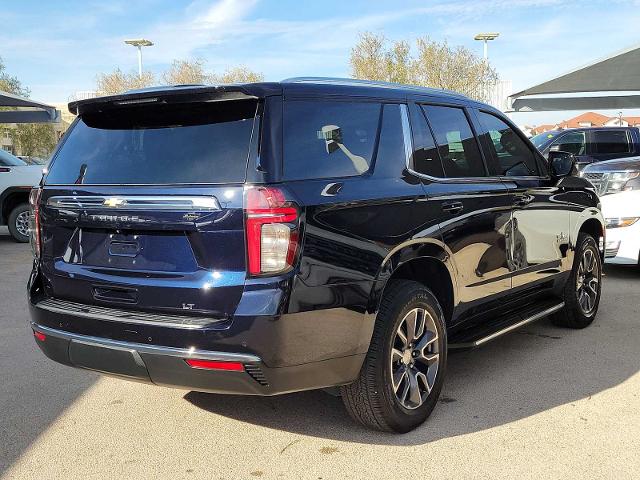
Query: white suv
[[16, 180]]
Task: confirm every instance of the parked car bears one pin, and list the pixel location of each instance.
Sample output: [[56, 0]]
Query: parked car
[[590, 145], [32, 160], [275, 237], [613, 176], [16, 180], [622, 212]]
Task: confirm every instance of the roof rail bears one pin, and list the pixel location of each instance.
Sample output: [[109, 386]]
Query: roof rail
[[369, 83]]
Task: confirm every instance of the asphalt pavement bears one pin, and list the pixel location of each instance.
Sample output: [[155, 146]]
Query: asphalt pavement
[[542, 402]]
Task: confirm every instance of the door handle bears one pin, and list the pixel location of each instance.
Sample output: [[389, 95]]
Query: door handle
[[331, 189], [452, 207], [523, 200]]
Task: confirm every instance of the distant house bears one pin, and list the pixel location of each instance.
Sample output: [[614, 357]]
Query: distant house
[[588, 119], [543, 128]]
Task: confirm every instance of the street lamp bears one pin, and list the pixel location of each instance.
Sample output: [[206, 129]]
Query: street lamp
[[485, 37], [139, 43]]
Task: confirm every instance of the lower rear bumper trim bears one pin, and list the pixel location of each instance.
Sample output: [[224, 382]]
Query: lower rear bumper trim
[[150, 349]]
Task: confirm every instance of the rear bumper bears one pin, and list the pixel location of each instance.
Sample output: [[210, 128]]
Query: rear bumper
[[167, 366]]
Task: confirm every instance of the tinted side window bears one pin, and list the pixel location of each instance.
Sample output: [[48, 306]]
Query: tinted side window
[[425, 157], [324, 139], [457, 145], [390, 159], [514, 157], [610, 141], [572, 142]]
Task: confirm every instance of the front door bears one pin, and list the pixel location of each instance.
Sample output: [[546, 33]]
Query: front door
[[540, 219], [473, 209]]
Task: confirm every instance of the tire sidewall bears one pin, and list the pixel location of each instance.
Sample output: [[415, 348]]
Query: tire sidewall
[[23, 207], [400, 418]]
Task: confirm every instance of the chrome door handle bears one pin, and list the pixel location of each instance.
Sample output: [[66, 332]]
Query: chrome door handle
[[522, 200], [452, 207]]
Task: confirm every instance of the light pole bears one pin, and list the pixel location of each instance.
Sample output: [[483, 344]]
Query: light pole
[[485, 37], [139, 43]]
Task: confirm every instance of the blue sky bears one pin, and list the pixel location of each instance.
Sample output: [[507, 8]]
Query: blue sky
[[57, 48]]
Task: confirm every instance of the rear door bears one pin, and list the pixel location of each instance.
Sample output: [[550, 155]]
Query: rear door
[[473, 208], [142, 208], [610, 143], [539, 227]]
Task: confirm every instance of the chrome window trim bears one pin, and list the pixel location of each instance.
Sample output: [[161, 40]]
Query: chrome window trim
[[148, 349], [136, 202], [408, 146]]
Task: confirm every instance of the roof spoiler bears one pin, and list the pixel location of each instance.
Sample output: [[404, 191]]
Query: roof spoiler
[[177, 94]]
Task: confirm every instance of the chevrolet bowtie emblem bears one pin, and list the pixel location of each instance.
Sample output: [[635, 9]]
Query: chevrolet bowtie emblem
[[114, 202]]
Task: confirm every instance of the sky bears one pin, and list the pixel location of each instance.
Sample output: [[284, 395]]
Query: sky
[[58, 48]]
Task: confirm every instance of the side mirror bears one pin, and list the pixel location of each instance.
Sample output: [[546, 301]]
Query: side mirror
[[562, 164], [332, 136]]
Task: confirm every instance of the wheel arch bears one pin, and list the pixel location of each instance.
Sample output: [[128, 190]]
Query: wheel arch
[[425, 262], [596, 229], [10, 199]]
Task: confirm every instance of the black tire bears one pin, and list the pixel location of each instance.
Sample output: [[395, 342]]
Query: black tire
[[573, 315], [16, 215], [371, 399]]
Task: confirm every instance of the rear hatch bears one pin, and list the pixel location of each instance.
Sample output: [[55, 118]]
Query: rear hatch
[[142, 207]]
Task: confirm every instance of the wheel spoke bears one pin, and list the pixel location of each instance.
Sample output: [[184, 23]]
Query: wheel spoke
[[398, 376], [410, 321], [414, 388], [422, 379], [403, 338], [405, 391], [426, 341]]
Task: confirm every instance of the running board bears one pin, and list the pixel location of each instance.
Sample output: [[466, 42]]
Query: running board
[[506, 329]]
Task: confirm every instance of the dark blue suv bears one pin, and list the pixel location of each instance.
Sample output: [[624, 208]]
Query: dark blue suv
[[275, 237]]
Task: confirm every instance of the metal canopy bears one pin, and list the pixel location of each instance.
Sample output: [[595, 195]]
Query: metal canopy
[[619, 72], [36, 112]]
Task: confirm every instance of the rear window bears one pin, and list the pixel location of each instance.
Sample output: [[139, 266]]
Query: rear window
[[187, 143], [610, 141], [324, 139]]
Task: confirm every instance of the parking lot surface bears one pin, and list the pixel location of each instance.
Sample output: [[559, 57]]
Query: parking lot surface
[[542, 402]]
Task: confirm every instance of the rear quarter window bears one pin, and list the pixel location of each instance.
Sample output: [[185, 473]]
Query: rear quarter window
[[325, 139]]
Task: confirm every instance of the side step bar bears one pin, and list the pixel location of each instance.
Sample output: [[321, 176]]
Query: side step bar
[[507, 329]]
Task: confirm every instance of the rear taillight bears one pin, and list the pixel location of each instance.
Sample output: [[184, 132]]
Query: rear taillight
[[34, 221], [272, 230]]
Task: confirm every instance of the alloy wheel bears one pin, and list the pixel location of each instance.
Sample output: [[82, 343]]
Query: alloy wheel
[[22, 223], [588, 282], [414, 358]]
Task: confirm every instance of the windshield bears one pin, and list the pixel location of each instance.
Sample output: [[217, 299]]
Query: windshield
[[8, 160], [542, 138], [161, 144]]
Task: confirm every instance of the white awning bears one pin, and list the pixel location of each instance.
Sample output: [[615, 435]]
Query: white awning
[[27, 111]]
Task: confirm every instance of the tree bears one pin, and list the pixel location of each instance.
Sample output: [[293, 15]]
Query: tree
[[372, 59], [11, 84], [186, 72], [34, 139], [239, 74], [436, 65], [118, 82]]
